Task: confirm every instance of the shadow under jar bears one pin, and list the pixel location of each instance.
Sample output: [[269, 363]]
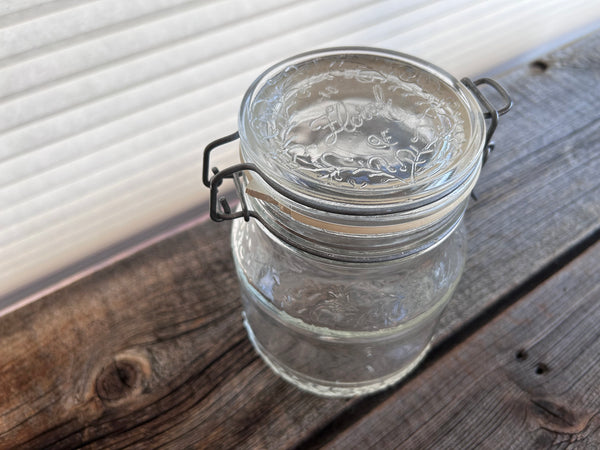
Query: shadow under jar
[[357, 167]]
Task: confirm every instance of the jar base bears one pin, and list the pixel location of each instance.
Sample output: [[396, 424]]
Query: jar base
[[325, 388]]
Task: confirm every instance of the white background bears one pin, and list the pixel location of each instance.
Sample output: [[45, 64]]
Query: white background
[[106, 105]]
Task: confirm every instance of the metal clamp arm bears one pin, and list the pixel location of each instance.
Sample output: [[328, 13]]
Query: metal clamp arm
[[491, 112], [209, 148]]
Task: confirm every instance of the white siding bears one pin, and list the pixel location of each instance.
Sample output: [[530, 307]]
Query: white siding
[[105, 105]]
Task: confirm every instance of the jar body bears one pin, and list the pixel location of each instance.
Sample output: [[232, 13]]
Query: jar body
[[338, 328], [356, 166]]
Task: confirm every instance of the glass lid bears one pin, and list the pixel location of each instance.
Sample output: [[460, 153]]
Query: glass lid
[[363, 128]]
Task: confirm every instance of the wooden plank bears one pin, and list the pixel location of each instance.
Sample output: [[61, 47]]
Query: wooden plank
[[152, 351], [539, 192], [529, 379], [151, 344]]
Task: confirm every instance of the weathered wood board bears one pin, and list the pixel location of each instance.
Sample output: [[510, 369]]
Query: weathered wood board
[[529, 379]]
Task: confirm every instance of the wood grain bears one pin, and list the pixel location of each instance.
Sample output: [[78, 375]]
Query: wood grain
[[151, 350], [529, 379], [124, 345]]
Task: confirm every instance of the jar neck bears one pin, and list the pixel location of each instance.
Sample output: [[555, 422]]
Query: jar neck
[[358, 238]]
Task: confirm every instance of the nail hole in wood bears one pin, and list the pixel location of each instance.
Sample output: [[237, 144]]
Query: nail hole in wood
[[538, 66], [541, 369], [521, 355]]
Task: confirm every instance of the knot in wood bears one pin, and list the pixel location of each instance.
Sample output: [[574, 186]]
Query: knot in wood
[[120, 379], [556, 417]]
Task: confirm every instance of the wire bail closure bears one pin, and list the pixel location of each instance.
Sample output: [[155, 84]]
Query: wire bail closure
[[220, 209], [215, 181], [491, 113]]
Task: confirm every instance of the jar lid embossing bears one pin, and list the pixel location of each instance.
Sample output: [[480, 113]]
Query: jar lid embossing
[[357, 131], [360, 128]]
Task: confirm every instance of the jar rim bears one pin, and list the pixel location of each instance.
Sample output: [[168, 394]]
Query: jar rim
[[278, 132]]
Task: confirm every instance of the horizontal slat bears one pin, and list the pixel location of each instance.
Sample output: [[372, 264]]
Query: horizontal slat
[[404, 22], [13, 6], [35, 28], [23, 12]]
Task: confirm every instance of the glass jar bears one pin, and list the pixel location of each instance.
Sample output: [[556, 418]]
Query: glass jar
[[357, 166]]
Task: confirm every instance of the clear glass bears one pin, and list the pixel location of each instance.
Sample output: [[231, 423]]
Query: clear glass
[[339, 328], [364, 160], [368, 129]]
